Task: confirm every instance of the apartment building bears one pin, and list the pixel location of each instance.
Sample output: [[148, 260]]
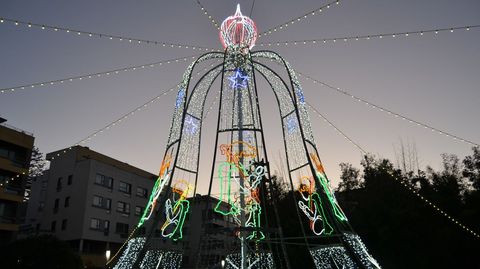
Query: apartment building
[[15, 152], [90, 200], [208, 236]]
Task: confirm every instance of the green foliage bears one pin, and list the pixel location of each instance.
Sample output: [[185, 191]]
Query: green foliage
[[37, 163], [402, 231], [472, 168], [350, 178], [43, 251]]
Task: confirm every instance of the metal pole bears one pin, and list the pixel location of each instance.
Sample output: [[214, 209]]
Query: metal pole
[[242, 183]]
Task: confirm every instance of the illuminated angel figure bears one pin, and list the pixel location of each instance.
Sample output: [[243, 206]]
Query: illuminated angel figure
[[162, 179], [176, 210], [254, 211], [312, 207], [228, 170]]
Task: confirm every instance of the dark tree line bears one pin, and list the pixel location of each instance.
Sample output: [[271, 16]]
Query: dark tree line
[[399, 228], [403, 231]]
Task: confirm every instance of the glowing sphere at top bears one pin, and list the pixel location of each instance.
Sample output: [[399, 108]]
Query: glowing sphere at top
[[238, 30]]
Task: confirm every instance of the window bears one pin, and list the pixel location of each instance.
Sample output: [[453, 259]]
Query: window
[[59, 183], [100, 225], [142, 192], [138, 210], [95, 224], [102, 202], [104, 181], [121, 228], [69, 180], [64, 224], [125, 187], [53, 226], [67, 201], [123, 208], [55, 206]]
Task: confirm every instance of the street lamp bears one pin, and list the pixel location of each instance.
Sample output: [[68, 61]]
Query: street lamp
[[223, 263], [107, 254]]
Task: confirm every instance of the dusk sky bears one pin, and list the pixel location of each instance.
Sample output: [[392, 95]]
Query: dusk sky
[[433, 79]]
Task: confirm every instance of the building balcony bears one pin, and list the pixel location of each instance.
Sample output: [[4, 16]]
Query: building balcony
[[8, 165], [11, 194]]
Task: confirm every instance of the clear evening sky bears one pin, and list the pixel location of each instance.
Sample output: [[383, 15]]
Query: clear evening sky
[[432, 79]]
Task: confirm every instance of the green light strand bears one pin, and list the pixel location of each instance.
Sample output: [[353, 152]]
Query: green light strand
[[331, 198]]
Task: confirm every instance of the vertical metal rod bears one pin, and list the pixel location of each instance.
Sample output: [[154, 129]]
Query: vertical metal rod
[[239, 92]]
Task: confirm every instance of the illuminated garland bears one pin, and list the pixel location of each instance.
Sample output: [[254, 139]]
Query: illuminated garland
[[175, 214], [320, 115], [259, 260], [292, 21], [208, 15], [418, 33], [332, 258], [94, 75], [130, 254], [331, 197], [162, 179], [361, 251], [161, 259], [124, 39], [402, 181], [390, 112], [107, 127]]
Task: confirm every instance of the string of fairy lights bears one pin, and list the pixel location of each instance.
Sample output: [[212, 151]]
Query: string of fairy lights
[[390, 112], [95, 75], [416, 33], [111, 124], [298, 19], [83, 33], [205, 12], [321, 116], [210, 108], [401, 180]]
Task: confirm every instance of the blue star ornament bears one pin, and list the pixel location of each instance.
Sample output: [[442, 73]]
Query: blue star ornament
[[239, 80]]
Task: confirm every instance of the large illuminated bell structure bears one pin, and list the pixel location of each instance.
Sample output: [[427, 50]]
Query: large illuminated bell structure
[[240, 171]]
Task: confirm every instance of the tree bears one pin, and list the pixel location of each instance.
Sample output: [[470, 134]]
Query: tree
[[471, 168], [37, 163], [35, 170], [350, 178]]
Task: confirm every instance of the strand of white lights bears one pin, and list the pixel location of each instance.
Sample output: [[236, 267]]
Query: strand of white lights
[[211, 106], [95, 75], [335, 127], [390, 112], [297, 19], [111, 124], [205, 12], [124, 39], [435, 207], [418, 33]]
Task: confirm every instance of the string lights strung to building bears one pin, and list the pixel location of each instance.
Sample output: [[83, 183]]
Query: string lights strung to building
[[401, 180], [95, 75], [83, 33], [320, 115], [390, 112], [298, 19], [205, 12], [417, 33], [111, 124]]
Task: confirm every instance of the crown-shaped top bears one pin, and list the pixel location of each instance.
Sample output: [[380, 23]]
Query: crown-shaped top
[[238, 30]]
